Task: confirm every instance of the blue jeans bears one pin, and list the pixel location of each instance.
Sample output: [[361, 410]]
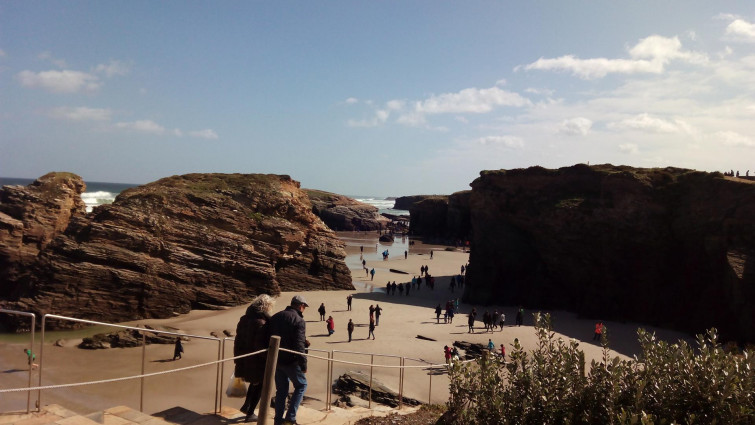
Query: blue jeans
[[284, 373]]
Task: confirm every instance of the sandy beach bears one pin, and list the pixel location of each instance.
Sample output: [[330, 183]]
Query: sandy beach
[[403, 319]]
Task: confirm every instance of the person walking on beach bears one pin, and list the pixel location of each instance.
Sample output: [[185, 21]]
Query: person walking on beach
[[372, 274], [330, 325], [491, 346], [378, 309], [470, 321], [350, 329], [321, 310], [431, 254], [438, 310], [503, 352], [447, 355], [393, 288], [252, 334], [372, 312], [502, 320], [598, 331], [348, 302], [520, 316], [178, 349], [372, 329], [289, 324], [31, 357]]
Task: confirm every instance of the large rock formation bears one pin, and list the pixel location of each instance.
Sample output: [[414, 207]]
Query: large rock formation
[[183, 242], [343, 213], [443, 218], [31, 216], [668, 247]]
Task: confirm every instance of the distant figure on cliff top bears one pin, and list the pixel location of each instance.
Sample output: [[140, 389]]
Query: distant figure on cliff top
[[321, 310], [178, 349]]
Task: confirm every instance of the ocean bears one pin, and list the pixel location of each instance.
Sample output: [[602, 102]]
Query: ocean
[[100, 193]]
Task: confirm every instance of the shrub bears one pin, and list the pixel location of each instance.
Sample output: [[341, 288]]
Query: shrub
[[665, 384]]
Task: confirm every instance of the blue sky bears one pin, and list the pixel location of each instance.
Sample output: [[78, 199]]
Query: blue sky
[[381, 98]]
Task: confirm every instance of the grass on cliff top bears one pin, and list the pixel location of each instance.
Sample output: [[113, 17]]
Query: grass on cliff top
[[213, 182]]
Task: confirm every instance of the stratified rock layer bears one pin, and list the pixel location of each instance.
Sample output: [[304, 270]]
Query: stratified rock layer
[[669, 247], [183, 242], [442, 218], [343, 213]]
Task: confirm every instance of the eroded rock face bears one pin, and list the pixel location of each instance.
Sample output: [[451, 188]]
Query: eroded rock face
[[32, 216], [442, 218], [668, 247], [184, 242], [343, 213]]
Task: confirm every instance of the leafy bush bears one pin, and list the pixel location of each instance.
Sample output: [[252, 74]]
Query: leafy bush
[[666, 384]]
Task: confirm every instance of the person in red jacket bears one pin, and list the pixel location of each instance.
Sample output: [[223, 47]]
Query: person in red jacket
[[598, 331], [331, 326]]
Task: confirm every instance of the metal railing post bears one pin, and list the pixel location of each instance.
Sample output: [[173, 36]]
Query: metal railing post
[[217, 376], [329, 382], [267, 383], [372, 361], [401, 386], [144, 360], [41, 359], [219, 387], [430, 392], [31, 349]]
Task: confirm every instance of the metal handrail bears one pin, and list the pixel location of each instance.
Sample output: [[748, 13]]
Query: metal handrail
[[31, 348], [144, 348]]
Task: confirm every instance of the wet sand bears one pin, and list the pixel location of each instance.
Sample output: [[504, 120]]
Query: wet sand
[[404, 318]]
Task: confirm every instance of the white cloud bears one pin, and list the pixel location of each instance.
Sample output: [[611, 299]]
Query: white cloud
[[395, 105], [82, 113], [649, 55], [351, 100], [2, 53], [732, 138], [47, 56], [143, 126], [505, 141], [645, 122], [65, 81], [461, 119], [629, 148], [741, 30], [204, 134], [579, 126], [472, 100], [113, 68]]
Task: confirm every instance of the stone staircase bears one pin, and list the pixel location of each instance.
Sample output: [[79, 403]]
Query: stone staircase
[[122, 415]]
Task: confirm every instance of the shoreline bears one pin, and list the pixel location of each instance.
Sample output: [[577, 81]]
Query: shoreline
[[404, 318]]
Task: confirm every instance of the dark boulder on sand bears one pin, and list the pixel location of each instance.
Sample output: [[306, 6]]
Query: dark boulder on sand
[[180, 243], [665, 246]]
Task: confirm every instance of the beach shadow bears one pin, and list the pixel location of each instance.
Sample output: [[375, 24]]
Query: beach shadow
[[163, 361], [15, 370], [340, 342], [318, 335]]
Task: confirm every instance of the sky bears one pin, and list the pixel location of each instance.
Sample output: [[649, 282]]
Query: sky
[[385, 98]]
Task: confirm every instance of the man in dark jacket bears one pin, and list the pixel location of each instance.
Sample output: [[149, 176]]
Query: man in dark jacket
[[290, 326]]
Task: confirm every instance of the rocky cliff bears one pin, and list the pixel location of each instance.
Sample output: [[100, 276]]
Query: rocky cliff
[[439, 217], [343, 213], [667, 247], [406, 202], [183, 242]]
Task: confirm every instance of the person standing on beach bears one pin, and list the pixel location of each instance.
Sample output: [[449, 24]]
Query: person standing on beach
[[252, 334], [470, 321], [406, 254], [401, 289], [447, 354], [438, 310], [502, 320], [348, 302], [289, 324], [393, 288], [503, 352], [372, 329], [178, 349], [431, 254], [372, 312], [321, 310], [372, 274], [520, 316], [491, 346], [350, 329], [408, 287], [377, 314], [598, 331], [330, 325], [32, 357]]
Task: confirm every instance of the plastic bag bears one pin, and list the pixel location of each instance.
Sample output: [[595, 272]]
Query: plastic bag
[[236, 387]]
